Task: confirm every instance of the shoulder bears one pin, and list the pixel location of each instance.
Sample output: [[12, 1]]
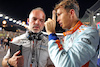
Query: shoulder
[[45, 37], [45, 40], [87, 29], [18, 38]]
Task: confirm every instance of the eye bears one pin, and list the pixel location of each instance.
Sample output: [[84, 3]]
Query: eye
[[58, 14], [41, 20], [34, 19]]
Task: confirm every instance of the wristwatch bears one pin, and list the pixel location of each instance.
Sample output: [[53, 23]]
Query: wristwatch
[[8, 64]]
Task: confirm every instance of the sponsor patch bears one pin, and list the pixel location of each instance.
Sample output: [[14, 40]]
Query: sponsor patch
[[86, 40], [90, 35]]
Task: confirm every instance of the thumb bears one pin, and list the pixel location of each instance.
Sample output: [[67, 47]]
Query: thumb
[[17, 53]]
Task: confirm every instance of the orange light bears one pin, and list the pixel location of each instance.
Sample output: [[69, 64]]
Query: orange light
[[24, 22], [11, 25], [4, 22]]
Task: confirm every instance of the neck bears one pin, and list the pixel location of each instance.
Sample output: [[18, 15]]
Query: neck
[[74, 23]]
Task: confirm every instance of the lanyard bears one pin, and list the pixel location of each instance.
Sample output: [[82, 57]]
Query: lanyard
[[35, 55]]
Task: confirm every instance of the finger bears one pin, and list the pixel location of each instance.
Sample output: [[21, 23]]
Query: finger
[[46, 25], [22, 57], [49, 19], [17, 53], [54, 15]]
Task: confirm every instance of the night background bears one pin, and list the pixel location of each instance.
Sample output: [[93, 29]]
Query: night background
[[19, 9]]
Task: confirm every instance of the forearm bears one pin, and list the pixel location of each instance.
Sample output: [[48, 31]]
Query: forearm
[[4, 62], [55, 50]]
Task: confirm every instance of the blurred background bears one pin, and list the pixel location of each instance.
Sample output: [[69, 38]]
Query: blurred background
[[14, 14]]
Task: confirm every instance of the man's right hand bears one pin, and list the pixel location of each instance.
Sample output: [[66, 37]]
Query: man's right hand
[[16, 61], [50, 24]]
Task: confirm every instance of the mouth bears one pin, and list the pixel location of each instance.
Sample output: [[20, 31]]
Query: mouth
[[36, 27], [60, 24]]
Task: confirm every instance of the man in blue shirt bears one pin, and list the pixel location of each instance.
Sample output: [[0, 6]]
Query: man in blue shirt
[[79, 48]]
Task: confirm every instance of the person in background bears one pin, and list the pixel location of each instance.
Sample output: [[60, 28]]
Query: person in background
[[79, 48], [7, 40], [34, 44], [2, 42]]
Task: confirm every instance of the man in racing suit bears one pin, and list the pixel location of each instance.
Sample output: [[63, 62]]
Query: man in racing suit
[[34, 51], [79, 48]]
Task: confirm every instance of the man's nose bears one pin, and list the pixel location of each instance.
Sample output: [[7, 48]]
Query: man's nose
[[37, 22], [57, 19]]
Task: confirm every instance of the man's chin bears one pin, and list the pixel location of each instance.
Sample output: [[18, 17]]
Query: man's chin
[[36, 31]]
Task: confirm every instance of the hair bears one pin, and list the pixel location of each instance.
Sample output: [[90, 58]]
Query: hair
[[69, 4], [38, 8]]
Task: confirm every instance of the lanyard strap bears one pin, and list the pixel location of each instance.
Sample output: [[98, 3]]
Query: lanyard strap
[[35, 56]]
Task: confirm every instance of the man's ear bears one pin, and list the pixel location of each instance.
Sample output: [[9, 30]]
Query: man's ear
[[28, 20], [72, 11]]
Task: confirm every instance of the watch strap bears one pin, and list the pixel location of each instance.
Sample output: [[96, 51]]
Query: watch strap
[[8, 64]]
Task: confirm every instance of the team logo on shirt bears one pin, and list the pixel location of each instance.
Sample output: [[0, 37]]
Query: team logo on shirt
[[90, 35], [86, 40]]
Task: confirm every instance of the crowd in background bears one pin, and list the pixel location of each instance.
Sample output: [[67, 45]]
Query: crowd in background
[[4, 42]]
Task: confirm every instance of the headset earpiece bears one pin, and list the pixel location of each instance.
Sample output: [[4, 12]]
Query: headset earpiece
[[37, 36], [40, 35]]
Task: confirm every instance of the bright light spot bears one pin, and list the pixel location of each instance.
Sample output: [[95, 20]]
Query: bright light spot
[[20, 23], [26, 26], [98, 14], [10, 19], [23, 22], [14, 21], [94, 17], [17, 22], [0, 28], [4, 22], [6, 17], [1, 15], [4, 25]]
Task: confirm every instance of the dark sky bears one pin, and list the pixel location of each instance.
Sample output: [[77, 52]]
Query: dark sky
[[19, 9]]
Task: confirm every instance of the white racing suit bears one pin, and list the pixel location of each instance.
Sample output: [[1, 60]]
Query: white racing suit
[[78, 49], [42, 51]]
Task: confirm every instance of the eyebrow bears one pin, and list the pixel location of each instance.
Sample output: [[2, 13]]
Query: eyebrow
[[39, 19]]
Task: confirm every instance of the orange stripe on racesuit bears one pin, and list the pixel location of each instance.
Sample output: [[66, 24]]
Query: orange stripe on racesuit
[[86, 65], [79, 23], [57, 41], [85, 25], [59, 45]]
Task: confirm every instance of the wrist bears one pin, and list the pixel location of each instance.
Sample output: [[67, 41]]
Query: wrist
[[50, 32], [8, 63], [53, 36]]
